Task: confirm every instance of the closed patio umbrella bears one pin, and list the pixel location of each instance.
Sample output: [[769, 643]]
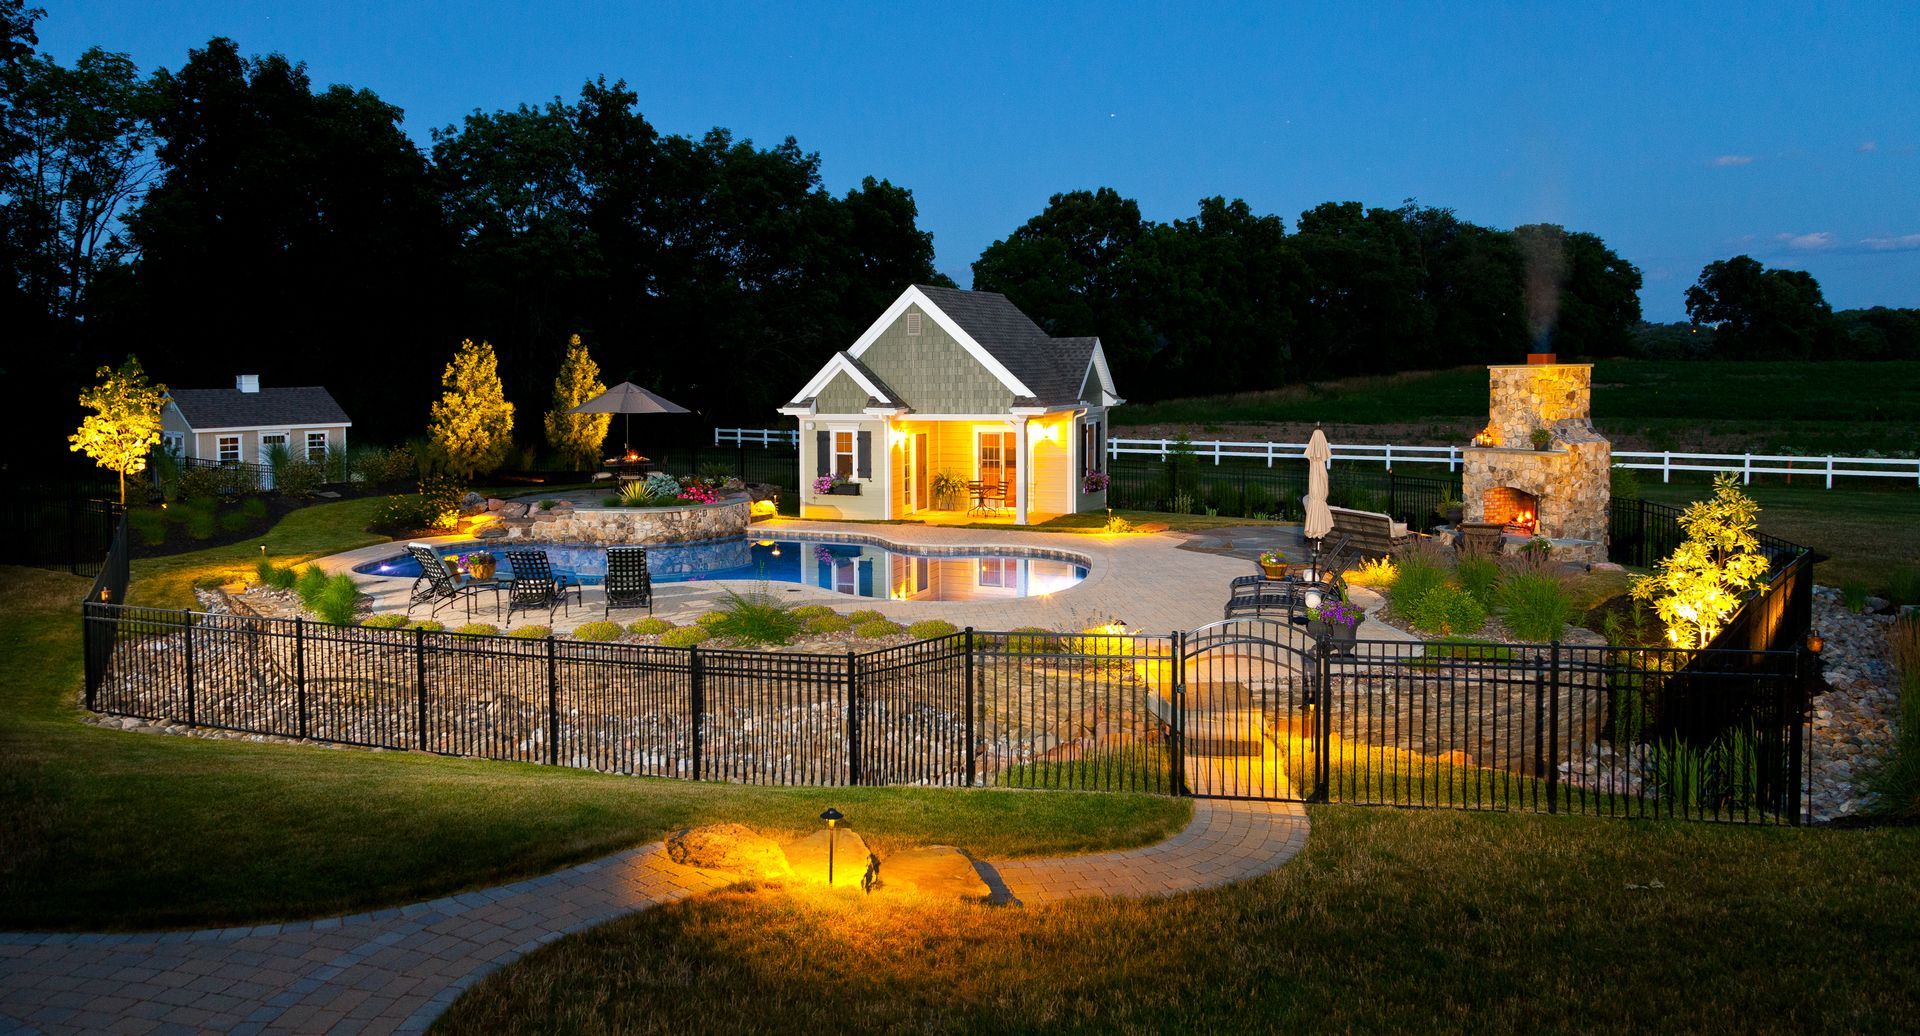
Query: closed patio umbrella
[[628, 399], [1319, 517]]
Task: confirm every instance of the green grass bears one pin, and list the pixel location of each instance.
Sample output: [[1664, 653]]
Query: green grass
[[1867, 533], [112, 829], [303, 535], [1839, 407], [1389, 921]]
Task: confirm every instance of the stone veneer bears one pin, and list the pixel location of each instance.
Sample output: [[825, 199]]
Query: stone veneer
[[1572, 478], [567, 524]]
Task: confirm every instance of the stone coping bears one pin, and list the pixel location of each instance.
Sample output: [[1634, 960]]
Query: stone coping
[[725, 501]]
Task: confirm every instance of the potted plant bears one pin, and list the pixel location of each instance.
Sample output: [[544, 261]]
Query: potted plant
[[949, 491], [481, 565], [1274, 564], [1451, 509], [1337, 624], [1542, 438], [1094, 482]]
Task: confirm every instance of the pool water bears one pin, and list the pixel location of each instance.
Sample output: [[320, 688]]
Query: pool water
[[855, 569]]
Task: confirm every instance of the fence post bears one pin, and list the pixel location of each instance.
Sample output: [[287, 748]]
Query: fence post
[[1553, 729], [1806, 669], [1389, 458], [853, 719], [553, 705], [696, 702], [969, 702], [1393, 488], [300, 673], [1666, 466], [186, 617], [1177, 715], [1829, 472], [1322, 723], [420, 679]]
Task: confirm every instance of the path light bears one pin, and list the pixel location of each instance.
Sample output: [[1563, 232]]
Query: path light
[[1815, 642], [1312, 597], [832, 817]]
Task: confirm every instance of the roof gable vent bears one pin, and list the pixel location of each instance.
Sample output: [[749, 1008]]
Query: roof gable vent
[[913, 325], [247, 382]]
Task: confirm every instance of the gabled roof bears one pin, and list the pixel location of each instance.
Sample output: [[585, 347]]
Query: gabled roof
[[878, 394], [1052, 369], [207, 409]]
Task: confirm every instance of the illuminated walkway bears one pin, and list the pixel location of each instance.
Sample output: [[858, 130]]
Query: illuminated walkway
[[397, 970]]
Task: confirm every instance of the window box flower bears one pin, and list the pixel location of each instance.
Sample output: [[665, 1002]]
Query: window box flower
[[835, 485]]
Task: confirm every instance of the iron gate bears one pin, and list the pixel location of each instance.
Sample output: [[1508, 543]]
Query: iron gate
[[1244, 712]]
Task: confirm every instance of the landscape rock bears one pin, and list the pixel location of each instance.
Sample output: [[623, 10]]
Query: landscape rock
[[728, 847], [935, 871], [808, 858], [512, 509]]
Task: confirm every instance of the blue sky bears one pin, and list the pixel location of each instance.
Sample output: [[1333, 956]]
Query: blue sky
[[1679, 133]]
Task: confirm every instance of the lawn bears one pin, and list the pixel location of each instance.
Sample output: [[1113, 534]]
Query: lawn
[[109, 829], [1390, 920], [1839, 407]]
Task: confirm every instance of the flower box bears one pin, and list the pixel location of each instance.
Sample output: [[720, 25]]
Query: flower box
[[845, 489]]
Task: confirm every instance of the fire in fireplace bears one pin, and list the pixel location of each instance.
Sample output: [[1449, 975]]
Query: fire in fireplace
[[1516, 509]]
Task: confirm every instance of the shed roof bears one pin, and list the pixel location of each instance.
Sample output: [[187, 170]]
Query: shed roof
[[267, 408]]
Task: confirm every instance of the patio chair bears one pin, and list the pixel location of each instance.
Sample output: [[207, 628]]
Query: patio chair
[[534, 584], [1258, 596], [989, 498], [629, 585], [439, 585], [1482, 539]]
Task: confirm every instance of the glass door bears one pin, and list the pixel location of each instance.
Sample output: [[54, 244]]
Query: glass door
[[1000, 463]]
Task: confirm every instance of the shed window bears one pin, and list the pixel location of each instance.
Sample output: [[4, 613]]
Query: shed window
[[843, 454], [316, 446], [228, 449]]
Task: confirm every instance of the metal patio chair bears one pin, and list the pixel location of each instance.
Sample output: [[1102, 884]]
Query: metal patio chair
[[534, 585], [439, 585], [629, 585]]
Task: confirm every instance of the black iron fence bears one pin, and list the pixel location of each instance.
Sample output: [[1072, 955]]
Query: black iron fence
[[1237, 710], [1245, 489], [58, 531]]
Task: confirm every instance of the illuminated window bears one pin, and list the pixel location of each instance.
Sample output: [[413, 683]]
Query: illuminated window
[[843, 454], [1001, 572]]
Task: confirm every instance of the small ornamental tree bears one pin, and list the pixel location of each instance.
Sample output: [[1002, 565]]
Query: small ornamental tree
[[472, 420], [1701, 584], [125, 424], [577, 437]]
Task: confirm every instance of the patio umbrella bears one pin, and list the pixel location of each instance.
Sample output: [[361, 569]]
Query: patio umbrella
[[1319, 518], [628, 399]]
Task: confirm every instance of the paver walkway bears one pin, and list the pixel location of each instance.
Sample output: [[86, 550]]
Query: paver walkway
[[396, 970]]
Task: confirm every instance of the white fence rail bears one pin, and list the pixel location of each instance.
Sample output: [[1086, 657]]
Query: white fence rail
[[1666, 462]]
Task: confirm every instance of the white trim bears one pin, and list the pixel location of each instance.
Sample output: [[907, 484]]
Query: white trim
[[841, 362], [913, 296], [790, 411], [261, 427], [833, 451]]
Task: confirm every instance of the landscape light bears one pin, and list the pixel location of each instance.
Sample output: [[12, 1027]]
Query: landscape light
[[1815, 642], [832, 817]]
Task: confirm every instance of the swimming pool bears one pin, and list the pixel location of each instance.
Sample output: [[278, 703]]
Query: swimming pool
[[854, 569]]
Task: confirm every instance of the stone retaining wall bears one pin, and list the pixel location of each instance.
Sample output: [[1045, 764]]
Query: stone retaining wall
[[564, 523]]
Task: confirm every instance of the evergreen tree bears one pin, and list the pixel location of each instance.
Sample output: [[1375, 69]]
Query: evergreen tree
[[125, 424], [472, 423], [577, 437]]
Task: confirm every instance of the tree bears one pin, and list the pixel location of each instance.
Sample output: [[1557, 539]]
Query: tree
[[125, 424], [1062, 268], [472, 423], [1761, 314], [1697, 587], [577, 437]]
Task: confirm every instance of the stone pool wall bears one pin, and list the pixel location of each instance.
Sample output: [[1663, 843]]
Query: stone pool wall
[[565, 523]]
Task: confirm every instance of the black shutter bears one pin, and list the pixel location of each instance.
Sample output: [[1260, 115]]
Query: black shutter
[[1100, 445], [863, 455], [822, 453]]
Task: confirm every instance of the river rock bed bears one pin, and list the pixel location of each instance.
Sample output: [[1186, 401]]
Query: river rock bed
[[1853, 720]]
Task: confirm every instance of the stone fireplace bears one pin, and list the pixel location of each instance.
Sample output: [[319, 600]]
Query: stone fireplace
[[1562, 493]]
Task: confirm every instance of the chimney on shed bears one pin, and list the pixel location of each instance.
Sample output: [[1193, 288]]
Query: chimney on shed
[[247, 382]]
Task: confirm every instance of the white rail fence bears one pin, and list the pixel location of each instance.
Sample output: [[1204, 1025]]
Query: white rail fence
[[1666, 462]]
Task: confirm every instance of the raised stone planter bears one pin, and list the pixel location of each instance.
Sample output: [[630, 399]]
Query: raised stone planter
[[615, 525]]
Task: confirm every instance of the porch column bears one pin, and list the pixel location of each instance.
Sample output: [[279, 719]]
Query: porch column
[[1025, 488]]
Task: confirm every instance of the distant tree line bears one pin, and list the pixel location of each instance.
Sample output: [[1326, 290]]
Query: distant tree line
[[1740, 310]]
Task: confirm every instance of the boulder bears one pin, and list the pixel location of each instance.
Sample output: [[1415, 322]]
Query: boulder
[[490, 531], [472, 504], [808, 858], [494, 503], [511, 509], [728, 847], [935, 871]]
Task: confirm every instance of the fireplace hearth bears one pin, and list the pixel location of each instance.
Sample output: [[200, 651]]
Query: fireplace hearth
[[1562, 493]]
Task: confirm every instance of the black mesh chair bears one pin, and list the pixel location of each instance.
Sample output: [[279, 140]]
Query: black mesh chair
[[1260, 597], [534, 585], [628, 583], [439, 585]]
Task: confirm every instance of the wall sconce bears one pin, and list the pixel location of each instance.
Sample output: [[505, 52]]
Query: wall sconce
[[832, 817]]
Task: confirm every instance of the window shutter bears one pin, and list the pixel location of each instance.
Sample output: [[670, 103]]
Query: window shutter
[[863, 455], [1100, 445], [822, 452]]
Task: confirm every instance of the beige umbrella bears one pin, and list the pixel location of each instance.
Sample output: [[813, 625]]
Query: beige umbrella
[[1319, 517]]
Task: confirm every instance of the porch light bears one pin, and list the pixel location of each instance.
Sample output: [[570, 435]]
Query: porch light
[[832, 817]]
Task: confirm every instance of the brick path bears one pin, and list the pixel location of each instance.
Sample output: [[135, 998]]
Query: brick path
[[396, 970]]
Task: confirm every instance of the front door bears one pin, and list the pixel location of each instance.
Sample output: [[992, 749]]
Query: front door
[[1000, 463], [919, 480]]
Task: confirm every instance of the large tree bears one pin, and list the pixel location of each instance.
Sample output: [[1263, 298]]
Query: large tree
[[471, 424], [1761, 314], [1062, 268], [577, 438], [125, 424]]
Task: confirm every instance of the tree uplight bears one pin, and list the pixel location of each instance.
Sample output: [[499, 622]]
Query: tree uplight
[[472, 420], [1702, 583], [125, 424]]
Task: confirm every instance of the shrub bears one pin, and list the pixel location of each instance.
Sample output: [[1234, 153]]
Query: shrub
[[277, 576], [409, 511], [807, 612], [865, 615], [831, 622], [684, 636], [1032, 640], [532, 632], [599, 631], [879, 629], [710, 618], [200, 522], [1903, 587], [1853, 594], [662, 484], [650, 626], [199, 482], [149, 525], [254, 508], [1416, 578], [927, 629], [1897, 782], [1378, 573], [389, 621], [634, 494], [233, 521], [547, 505], [755, 619], [338, 600], [1536, 606], [427, 626], [299, 478], [237, 480], [609, 501], [310, 584], [1480, 578], [1444, 609], [477, 629], [1625, 484]]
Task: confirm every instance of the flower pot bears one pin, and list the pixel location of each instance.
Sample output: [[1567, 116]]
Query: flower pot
[[481, 568], [1454, 515], [1274, 569], [1342, 638], [845, 489]]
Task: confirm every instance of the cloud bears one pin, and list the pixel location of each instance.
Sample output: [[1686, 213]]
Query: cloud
[[1902, 243], [1731, 160], [1815, 242], [1868, 147]]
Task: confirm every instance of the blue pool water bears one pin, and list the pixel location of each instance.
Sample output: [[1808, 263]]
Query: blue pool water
[[858, 570]]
